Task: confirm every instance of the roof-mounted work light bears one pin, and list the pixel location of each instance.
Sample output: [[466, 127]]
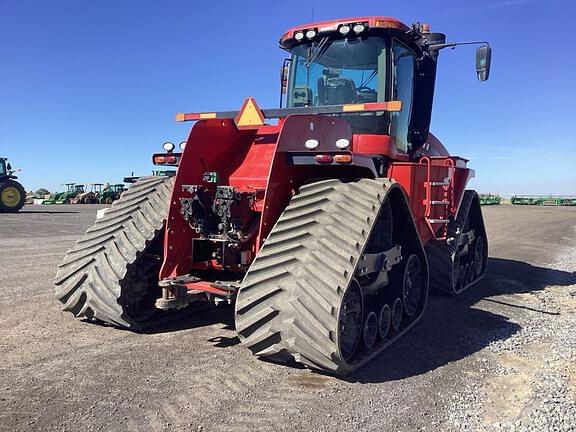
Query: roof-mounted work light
[[344, 29]]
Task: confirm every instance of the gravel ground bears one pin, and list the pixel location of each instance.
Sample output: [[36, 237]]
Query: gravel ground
[[500, 357]]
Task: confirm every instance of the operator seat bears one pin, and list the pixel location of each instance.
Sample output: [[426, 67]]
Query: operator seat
[[339, 91], [301, 96]]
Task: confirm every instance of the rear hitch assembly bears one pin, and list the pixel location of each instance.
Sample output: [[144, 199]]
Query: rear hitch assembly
[[176, 293]]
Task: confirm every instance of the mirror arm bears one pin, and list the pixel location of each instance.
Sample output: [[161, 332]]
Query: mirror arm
[[438, 47]]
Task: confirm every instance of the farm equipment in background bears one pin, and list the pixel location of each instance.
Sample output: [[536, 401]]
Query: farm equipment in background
[[543, 200], [111, 193], [72, 190], [566, 201], [87, 195], [490, 199], [12, 193], [325, 230]]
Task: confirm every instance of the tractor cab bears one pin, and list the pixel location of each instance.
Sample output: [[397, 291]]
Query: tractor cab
[[369, 60], [110, 193], [3, 167], [96, 188], [70, 187], [6, 170]]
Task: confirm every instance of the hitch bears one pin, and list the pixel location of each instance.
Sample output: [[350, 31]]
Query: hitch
[[175, 294], [179, 292]]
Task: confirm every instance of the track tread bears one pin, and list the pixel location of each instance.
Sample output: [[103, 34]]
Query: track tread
[[91, 277], [314, 282], [440, 253]]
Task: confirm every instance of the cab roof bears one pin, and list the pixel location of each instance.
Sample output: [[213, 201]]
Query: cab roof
[[382, 22]]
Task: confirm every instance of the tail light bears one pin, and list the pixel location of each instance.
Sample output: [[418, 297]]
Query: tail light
[[171, 159], [161, 160], [343, 158], [323, 159]]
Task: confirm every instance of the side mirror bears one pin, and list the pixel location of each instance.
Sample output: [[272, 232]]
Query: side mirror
[[284, 71], [483, 56], [8, 166]]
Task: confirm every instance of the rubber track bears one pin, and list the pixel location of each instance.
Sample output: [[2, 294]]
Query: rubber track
[[289, 301], [440, 253], [91, 278]]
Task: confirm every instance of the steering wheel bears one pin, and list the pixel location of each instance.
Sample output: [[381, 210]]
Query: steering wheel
[[366, 89]]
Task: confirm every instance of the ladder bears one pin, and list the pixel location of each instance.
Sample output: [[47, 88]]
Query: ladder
[[439, 225]]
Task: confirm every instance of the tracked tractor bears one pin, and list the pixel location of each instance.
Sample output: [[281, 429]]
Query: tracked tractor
[[324, 222], [12, 193]]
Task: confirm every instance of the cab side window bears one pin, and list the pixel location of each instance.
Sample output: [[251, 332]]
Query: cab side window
[[402, 89]]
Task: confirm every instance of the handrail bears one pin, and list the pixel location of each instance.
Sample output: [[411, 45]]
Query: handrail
[[428, 185]]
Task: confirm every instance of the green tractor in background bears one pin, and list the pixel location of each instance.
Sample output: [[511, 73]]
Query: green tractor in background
[[111, 193], [72, 191], [12, 193], [490, 199]]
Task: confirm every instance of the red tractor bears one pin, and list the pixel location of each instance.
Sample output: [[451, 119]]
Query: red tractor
[[325, 229]]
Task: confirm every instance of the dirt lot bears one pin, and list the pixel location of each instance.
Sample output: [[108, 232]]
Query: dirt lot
[[501, 357]]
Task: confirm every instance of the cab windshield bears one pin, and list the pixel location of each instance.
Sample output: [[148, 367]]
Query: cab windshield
[[336, 72], [2, 168]]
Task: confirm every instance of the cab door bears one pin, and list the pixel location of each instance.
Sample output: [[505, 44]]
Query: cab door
[[403, 61]]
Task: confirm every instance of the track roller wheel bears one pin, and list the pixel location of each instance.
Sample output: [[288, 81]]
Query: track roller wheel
[[397, 314], [466, 274], [462, 276], [370, 330], [327, 270], [349, 322], [384, 319], [455, 274], [412, 284], [111, 274], [479, 251], [471, 273]]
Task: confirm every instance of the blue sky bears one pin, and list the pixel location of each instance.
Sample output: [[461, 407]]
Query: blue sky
[[89, 89]]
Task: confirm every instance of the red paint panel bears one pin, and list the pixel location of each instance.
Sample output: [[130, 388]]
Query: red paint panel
[[377, 145], [283, 179], [248, 160], [413, 177], [254, 170], [213, 145]]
